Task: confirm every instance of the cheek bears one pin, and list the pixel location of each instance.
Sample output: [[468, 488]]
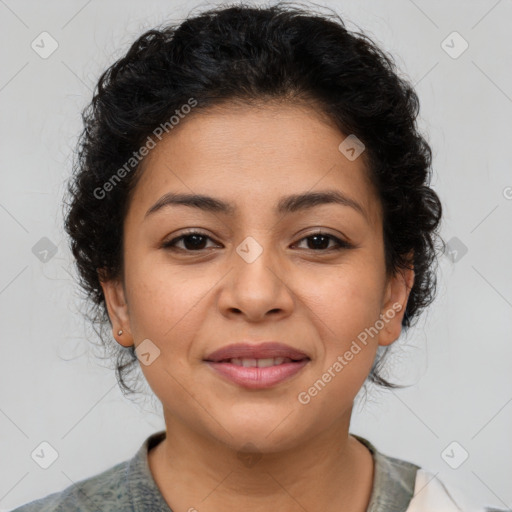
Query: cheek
[[343, 311], [165, 308], [344, 306], [163, 302], [347, 299]]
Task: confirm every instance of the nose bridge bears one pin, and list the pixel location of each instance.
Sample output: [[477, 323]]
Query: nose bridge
[[256, 285], [255, 259]]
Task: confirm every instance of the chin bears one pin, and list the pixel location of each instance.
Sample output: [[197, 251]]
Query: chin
[[260, 443], [267, 434]]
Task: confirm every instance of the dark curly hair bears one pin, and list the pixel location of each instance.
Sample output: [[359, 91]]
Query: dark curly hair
[[247, 54]]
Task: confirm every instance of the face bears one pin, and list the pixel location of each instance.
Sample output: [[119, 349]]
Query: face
[[256, 273]]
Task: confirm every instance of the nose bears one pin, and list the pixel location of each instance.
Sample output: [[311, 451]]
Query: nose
[[257, 287]]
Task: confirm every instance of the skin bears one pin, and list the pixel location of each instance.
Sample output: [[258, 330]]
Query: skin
[[317, 300]]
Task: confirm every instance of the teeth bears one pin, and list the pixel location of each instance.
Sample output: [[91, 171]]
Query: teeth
[[260, 363], [265, 363]]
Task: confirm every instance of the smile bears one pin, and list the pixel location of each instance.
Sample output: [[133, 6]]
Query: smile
[[258, 373]]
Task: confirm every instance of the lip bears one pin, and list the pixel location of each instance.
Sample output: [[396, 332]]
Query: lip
[[256, 351], [258, 378], [254, 377]]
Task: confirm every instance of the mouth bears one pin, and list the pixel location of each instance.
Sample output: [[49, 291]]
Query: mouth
[[260, 351], [257, 366], [248, 362]]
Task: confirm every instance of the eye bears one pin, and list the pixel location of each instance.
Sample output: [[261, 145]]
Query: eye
[[193, 241], [320, 242]]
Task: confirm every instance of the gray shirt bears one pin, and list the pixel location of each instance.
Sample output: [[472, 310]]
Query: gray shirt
[[129, 486]]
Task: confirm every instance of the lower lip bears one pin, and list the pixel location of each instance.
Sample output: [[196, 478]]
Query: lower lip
[[258, 378]]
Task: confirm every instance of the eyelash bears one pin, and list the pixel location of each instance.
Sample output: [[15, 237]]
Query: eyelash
[[341, 244]]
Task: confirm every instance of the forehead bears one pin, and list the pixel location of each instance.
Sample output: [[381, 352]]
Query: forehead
[[253, 155]]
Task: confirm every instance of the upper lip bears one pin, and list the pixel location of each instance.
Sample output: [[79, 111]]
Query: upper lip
[[264, 350]]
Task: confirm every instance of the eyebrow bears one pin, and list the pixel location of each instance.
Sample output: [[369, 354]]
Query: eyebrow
[[286, 205]]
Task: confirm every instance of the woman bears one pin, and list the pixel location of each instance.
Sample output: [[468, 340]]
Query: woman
[[251, 216]]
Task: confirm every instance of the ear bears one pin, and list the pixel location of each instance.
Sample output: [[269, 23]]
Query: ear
[[396, 296], [117, 308]]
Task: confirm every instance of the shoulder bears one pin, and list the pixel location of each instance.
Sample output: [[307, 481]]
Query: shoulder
[[104, 491], [393, 481], [400, 485], [431, 494], [128, 485]]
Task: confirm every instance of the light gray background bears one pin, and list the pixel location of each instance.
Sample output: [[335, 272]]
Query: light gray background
[[53, 388]]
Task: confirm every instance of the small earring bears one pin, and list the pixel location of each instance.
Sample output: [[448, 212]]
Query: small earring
[[120, 332]]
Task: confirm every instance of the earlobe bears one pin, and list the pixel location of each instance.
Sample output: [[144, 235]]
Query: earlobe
[[397, 294], [117, 308]]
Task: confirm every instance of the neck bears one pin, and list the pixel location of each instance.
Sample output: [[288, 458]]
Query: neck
[[331, 471]]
